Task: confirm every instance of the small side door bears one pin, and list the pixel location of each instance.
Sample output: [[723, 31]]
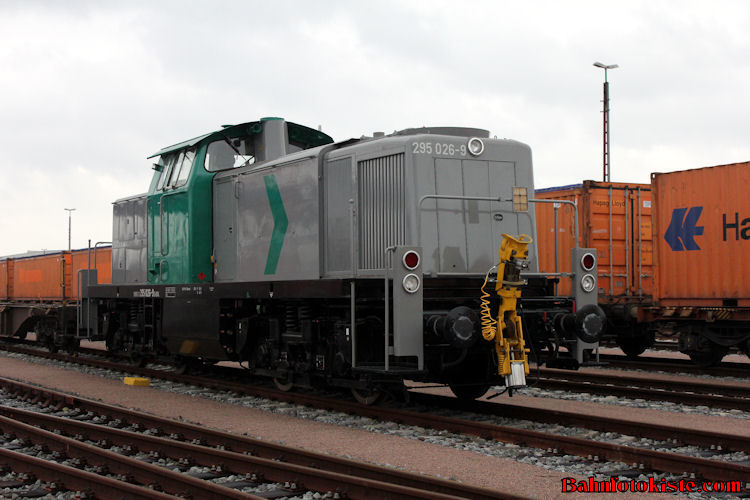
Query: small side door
[[226, 193]]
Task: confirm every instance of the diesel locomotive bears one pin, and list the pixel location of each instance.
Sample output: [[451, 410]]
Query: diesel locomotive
[[355, 264]]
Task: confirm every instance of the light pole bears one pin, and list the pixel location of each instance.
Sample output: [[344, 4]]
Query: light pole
[[605, 125], [70, 214]]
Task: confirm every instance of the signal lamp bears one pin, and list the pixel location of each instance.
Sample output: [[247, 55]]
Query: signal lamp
[[588, 261], [411, 283], [588, 283], [411, 260]]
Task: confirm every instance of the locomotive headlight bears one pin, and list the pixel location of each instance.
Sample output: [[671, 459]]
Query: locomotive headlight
[[411, 283], [475, 146], [588, 283]]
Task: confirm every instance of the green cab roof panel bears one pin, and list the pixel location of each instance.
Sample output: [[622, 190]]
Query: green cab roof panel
[[305, 137]]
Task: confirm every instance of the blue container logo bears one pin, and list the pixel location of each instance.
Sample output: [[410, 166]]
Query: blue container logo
[[683, 229]]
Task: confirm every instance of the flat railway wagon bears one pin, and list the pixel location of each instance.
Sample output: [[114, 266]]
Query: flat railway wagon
[[673, 256], [702, 259], [355, 264], [616, 219], [39, 292]]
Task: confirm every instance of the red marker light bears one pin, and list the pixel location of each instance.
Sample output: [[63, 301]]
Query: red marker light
[[588, 261], [411, 259], [201, 275]]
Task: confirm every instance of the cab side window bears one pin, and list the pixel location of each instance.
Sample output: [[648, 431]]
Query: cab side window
[[221, 155]]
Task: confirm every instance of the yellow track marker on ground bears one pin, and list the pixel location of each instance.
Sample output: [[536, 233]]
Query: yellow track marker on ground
[[139, 381]]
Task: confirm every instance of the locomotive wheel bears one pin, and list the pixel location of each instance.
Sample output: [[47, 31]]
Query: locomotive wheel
[[72, 345], [366, 396], [707, 359], [137, 360], [468, 392], [183, 365], [283, 385]]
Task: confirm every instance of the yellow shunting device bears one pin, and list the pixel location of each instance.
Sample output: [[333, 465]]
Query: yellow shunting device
[[506, 330], [139, 381]]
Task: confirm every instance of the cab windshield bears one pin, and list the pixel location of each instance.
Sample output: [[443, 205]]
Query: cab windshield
[[175, 169]]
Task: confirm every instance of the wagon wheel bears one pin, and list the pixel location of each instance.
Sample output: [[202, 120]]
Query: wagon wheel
[[72, 345], [366, 397], [712, 357], [745, 347], [45, 335], [633, 347], [283, 385]]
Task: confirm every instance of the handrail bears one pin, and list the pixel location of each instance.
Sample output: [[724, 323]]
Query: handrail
[[456, 197], [560, 274], [565, 202], [500, 199], [387, 263]]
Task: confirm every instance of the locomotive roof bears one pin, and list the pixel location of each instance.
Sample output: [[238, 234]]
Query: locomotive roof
[[300, 134]]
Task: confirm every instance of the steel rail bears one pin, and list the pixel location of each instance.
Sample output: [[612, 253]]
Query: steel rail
[[641, 392], [660, 432], [725, 369], [73, 479], [143, 472], [237, 463], [697, 386]]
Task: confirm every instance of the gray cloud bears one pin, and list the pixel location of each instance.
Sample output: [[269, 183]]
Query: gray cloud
[[90, 89]]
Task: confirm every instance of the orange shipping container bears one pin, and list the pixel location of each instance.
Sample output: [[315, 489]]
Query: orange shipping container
[[3, 279], [615, 219], [103, 260], [45, 277], [702, 227]]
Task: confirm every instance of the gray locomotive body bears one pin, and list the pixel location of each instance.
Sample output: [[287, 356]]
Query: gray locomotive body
[[345, 215], [345, 204]]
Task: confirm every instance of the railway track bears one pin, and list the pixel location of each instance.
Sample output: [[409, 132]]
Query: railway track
[[639, 458], [211, 464], [695, 392], [680, 436], [675, 365]]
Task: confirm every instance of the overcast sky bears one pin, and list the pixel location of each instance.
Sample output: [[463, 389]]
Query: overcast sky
[[88, 90]]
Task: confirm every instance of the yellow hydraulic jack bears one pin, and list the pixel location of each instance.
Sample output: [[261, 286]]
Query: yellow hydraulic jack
[[506, 330]]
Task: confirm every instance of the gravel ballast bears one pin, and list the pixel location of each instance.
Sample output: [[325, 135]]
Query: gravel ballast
[[428, 455]]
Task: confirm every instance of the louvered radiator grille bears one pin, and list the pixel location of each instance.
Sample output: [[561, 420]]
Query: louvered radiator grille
[[382, 208]]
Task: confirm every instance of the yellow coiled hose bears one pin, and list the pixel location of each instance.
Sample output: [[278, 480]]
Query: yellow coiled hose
[[489, 324]]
